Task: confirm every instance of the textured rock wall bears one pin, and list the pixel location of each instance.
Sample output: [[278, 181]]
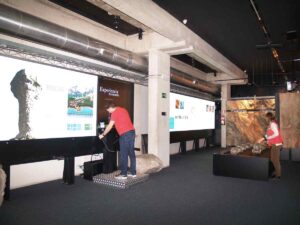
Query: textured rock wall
[[245, 120], [2, 185], [290, 119]]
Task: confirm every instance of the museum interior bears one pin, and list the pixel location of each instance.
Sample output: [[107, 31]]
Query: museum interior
[[140, 112]]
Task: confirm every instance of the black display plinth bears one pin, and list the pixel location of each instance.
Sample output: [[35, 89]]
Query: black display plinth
[[6, 169], [110, 148], [295, 154], [68, 173], [246, 165], [92, 168]]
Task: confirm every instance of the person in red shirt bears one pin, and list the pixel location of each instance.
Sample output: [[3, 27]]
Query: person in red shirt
[[275, 141], [119, 118]]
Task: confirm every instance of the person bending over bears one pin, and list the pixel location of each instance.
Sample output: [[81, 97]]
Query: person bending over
[[122, 122], [275, 141]]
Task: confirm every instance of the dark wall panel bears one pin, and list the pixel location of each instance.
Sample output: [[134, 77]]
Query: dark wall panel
[[121, 93]]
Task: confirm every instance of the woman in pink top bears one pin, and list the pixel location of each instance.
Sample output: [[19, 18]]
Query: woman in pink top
[[274, 141]]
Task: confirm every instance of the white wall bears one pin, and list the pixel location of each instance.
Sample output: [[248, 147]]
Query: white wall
[[140, 112], [34, 173], [174, 148]]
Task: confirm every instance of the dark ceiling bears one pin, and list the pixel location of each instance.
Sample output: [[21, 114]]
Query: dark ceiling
[[97, 14], [232, 28]]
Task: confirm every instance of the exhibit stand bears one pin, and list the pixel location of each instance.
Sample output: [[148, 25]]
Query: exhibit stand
[[295, 154], [243, 165], [6, 169]]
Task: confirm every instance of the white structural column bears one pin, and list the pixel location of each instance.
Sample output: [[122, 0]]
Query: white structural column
[[225, 95], [158, 105], [151, 15]]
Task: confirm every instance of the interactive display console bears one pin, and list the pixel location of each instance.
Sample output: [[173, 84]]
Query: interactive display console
[[40, 102], [189, 113]]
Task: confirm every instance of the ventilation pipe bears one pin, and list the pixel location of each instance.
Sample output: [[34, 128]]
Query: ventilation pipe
[[29, 27], [180, 78], [24, 25]]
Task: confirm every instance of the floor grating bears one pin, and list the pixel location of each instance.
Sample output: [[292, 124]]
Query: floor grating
[[111, 181]]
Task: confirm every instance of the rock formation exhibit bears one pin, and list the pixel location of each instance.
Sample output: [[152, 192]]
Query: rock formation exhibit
[[259, 148], [2, 185], [245, 120], [148, 163], [240, 148], [290, 119], [26, 90]]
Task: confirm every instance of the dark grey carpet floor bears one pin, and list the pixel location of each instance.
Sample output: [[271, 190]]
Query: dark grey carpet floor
[[186, 193]]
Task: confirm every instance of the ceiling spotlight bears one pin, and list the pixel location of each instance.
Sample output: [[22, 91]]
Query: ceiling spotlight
[[184, 21], [140, 34], [101, 51], [116, 22]]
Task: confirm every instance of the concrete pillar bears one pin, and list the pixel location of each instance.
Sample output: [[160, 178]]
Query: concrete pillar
[[158, 105], [225, 95]]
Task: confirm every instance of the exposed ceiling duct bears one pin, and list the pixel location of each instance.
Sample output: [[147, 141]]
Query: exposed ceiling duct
[[24, 25], [29, 27], [181, 78]]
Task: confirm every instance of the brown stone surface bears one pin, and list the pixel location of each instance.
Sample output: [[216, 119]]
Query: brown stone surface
[[148, 163], [290, 119], [248, 152], [245, 120], [251, 104], [2, 185]]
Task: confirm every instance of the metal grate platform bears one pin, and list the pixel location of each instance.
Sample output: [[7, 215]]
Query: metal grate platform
[[111, 181]]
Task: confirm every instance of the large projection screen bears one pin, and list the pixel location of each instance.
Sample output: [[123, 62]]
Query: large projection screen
[[189, 113], [40, 102]]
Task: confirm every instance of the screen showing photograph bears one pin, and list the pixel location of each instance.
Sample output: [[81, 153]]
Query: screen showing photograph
[[40, 101], [189, 113]]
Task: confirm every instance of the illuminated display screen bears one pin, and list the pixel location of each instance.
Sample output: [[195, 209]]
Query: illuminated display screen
[[39, 101], [189, 113]]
